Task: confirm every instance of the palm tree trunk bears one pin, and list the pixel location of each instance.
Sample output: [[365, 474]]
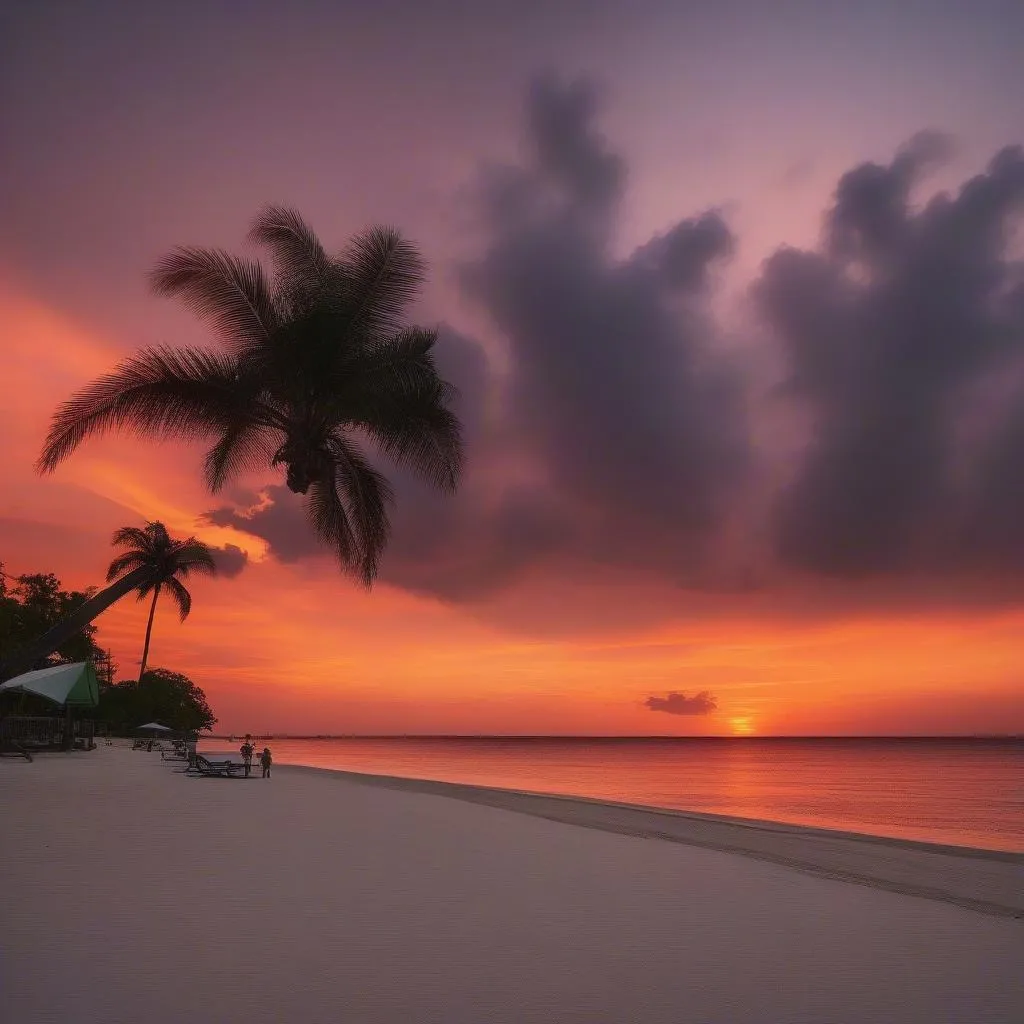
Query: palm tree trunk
[[149, 633], [29, 657]]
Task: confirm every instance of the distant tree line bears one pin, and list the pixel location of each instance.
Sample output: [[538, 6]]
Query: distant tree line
[[33, 603], [160, 696]]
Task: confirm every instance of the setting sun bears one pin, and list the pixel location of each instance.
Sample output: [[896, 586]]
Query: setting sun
[[742, 726]]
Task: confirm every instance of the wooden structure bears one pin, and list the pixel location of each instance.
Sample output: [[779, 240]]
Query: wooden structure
[[27, 733]]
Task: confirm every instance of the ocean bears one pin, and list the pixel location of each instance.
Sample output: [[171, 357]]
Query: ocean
[[965, 792]]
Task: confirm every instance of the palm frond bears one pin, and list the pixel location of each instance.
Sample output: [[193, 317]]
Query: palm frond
[[193, 555], [159, 537], [403, 360], [124, 564], [131, 536], [228, 293], [299, 258], [361, 496], [384, 272], [424, 436], [402, 403], [395, 394], [186, 393], [242, 446], [330, 521], [182, 598]]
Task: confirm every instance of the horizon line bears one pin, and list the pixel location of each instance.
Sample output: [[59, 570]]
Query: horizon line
[[615, 736]]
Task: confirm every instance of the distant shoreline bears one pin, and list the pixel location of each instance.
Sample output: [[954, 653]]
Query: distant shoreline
[[542, 738]]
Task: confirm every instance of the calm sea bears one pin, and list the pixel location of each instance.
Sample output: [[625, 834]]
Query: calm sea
[[963, 792]]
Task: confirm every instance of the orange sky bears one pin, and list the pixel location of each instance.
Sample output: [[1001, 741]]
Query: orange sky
[[297, 648], [603, 210]]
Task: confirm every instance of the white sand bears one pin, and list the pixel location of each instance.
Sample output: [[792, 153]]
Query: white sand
[[130, 893]]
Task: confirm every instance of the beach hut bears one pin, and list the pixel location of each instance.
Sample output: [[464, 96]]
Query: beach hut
[[69, 686]]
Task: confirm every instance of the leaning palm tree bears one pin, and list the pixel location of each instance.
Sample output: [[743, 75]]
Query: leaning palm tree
[[314, 359], [127, 574], [166, 561]]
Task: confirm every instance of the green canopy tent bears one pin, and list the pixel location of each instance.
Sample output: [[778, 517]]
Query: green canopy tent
[[70, 686]]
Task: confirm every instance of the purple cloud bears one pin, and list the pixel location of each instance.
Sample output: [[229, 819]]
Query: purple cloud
[[676, 703]]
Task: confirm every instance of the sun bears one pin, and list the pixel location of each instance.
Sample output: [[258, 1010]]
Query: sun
[[742, 726]]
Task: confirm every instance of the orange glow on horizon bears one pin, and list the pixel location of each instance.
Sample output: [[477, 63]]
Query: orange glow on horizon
[[742, 726], [297, 648]]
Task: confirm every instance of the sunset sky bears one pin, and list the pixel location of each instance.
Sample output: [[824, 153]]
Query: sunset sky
[[734, 295]]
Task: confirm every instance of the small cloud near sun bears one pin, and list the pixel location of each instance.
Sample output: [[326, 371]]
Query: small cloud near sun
[[675, 703]]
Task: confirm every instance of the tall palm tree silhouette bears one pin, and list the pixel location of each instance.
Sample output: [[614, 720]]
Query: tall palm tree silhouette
[[315, 359], [166, 563]]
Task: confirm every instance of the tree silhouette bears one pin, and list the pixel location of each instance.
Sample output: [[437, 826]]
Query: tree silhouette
[[166, 563], [315, 361]]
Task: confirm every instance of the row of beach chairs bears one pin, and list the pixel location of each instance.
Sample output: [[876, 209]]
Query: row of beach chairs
[[217, 769], [198, 765]]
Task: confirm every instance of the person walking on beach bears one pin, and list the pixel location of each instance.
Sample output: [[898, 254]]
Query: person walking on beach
[[247, 750], [266, 760]]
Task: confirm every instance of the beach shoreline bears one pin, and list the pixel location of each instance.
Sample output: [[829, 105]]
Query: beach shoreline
[[883, 862], [467, 791], [925, 793], [327, 896]]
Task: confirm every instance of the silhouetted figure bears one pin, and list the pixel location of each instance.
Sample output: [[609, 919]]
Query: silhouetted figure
[[247, 750], [266, 760]]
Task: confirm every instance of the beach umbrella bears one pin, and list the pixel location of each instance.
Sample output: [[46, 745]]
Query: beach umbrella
[[71, 686], [154, 727]]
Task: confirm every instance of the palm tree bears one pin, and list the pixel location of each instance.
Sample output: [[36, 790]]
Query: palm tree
[[167, 562], [141, 577], [314, 359]]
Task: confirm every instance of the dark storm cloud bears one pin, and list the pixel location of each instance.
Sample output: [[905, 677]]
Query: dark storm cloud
[[890, 329], [613, 444], [613, 385], [560, 125], [277, 518], [628, 435], [675, 703], [230, 559]]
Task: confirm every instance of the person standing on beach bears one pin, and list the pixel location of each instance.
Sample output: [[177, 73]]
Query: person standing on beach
[[266, 760], [247, 750]]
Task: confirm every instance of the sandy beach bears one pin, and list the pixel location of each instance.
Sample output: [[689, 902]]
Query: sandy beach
[[134, 893]]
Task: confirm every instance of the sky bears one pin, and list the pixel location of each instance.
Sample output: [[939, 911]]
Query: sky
[[733, 295]]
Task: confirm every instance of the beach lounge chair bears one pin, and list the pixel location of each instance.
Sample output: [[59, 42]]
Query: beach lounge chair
[[12, 748], [217, 769]]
